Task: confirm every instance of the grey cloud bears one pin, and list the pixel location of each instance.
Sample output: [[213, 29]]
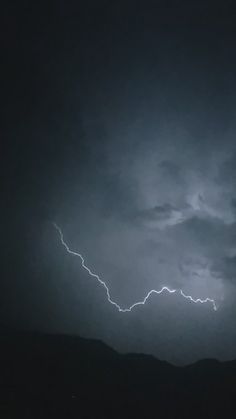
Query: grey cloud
[[161, 216], [164, 214], [227, 172], [226, 268], [171, 170]]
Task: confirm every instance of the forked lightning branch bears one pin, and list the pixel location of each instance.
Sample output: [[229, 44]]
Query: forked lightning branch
[[138, 303]]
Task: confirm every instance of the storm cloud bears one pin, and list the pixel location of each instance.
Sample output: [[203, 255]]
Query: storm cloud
[[120, 128]]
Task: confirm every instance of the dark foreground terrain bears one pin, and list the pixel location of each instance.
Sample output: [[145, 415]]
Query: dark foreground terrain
[[53, 376]]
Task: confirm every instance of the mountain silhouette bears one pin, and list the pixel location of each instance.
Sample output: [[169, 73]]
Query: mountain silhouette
[[62, 376]]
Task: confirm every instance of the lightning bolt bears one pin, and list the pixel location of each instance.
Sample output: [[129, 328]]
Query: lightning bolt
[[138, 303]]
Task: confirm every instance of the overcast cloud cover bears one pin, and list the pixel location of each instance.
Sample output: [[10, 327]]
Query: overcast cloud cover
[[121, 129], [157, 211], [177, 215]]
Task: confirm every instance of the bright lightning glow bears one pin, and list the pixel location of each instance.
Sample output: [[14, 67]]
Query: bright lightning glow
[[138, 303]]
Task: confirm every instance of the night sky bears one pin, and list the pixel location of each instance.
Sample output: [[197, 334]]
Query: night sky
[[119, 126]]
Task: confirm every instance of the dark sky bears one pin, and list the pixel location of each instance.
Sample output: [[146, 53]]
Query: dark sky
[[119, 125]]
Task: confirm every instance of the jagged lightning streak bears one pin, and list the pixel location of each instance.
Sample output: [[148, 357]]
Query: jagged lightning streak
[[138, 303]]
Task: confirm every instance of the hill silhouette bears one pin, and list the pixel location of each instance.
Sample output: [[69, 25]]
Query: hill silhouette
[[60, 376]]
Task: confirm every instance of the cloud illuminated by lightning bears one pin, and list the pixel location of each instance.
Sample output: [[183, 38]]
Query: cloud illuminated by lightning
[[138, 303]]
